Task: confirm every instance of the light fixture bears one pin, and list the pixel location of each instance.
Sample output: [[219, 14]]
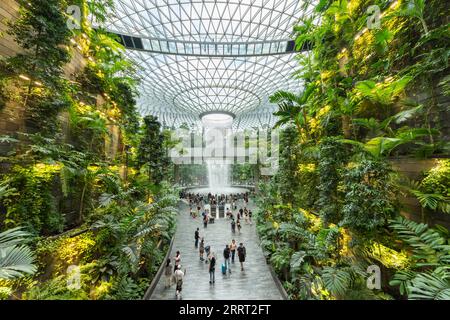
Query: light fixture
[[24, 77], [38, 83], [72, 41]]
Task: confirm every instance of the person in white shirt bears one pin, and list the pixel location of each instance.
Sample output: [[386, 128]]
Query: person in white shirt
[[179, 276]]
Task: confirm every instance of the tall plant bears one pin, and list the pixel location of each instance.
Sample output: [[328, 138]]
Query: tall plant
[[42, 33]]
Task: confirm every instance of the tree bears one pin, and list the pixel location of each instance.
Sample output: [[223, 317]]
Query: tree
[[152, 153]]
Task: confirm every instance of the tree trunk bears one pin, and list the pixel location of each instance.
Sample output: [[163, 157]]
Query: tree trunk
[[346, 126]]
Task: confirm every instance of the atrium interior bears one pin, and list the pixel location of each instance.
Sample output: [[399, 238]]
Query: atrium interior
[[224, 150]]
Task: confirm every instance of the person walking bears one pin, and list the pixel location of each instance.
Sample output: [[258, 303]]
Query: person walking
[[205, 221], [233, 247], [238, 224], [233, 226], [242, 252], [197, 237], [226, 256], [202, 249], [207, 251], [168, 274], [250, 213], [179, 276], [212, 268], [177, 261]]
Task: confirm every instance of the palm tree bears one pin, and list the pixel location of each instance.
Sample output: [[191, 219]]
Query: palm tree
[[293, 108], [16, 259]]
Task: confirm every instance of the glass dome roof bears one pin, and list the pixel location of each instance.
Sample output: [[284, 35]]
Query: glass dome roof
[[178, 88]]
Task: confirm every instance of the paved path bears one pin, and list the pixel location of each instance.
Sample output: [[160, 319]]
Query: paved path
[[255, 283]]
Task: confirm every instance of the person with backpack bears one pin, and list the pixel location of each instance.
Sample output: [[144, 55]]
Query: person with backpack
[[202, 249], [233, 226], [168, 274], [242, 252], [212, 268], [233, 247], [179, 276], [197, 237]]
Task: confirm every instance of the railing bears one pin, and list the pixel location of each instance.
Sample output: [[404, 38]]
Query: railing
[[158, 275]]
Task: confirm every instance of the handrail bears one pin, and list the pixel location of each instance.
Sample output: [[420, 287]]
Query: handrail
[[158, 275]]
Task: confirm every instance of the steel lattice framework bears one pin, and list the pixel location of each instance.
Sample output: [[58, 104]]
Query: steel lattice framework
[[178, 87]]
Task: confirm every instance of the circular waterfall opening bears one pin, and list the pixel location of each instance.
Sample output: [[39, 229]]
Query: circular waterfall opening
[[217, 120]]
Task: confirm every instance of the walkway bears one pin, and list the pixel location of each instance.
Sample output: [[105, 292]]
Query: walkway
[[255, 283]]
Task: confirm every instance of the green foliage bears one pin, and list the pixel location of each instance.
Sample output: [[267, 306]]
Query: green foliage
[[16, 259], [65, 251], [433, 192], [33, 204], [337, 281], [42, 32], [151, 152], [55, 289], [429, 247], [332, 156], [129, 221], [369, 196], [428, 276]]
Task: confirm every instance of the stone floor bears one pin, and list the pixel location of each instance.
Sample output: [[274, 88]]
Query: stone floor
[[254, 283]]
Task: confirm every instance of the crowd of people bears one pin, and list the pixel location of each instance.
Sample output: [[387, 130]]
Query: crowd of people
[[174, 273]]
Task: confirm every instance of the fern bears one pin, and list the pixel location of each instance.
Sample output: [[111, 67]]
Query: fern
[[430, 286], [429, 247], [337, 281]]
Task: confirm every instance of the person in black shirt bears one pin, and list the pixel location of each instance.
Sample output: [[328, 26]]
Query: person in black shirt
[[196, 237], [212, 268], [242, 252], [226, 256]]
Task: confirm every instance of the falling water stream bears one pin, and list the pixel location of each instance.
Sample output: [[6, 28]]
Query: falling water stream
[[218, 175]]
